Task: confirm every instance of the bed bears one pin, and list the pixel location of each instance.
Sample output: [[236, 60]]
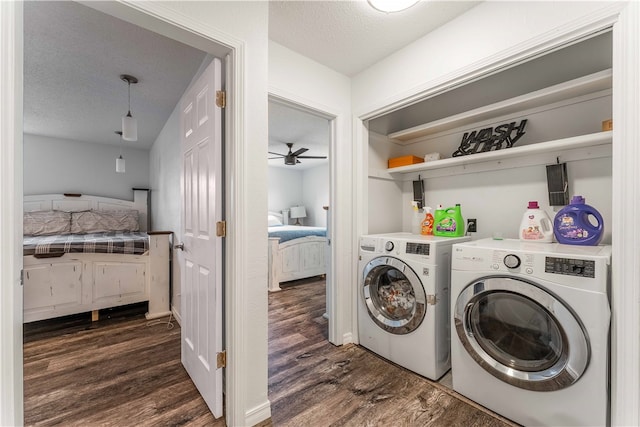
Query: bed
[[295, 252], [85, 253]]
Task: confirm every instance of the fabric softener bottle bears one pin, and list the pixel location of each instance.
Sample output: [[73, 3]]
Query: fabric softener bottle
[[536, 225], [574, 224]]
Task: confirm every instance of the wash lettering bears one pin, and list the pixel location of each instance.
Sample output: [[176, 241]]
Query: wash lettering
[[490, 138]]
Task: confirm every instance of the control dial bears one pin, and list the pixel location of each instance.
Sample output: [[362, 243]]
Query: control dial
[[512, 261], [389, 246]]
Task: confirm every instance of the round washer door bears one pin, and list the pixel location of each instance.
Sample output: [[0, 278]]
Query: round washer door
[[393, 294], [521, 334]]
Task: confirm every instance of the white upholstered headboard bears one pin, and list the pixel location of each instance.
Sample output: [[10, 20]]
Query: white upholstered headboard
[[82, 202]]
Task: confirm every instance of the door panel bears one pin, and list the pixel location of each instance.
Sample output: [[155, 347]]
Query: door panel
[[201, 257]]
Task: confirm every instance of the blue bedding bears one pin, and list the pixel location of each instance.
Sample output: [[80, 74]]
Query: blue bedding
[[290, 232]]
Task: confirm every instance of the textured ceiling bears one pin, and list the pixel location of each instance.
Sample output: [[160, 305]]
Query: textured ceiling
[[74, 55], [349, 36]]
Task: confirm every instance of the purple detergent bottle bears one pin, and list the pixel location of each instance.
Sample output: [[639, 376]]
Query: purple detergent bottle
[[574, 224]]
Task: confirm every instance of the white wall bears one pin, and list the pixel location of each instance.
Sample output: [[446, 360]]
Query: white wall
[[54, 165], [498, 199], [307, 187], [315, 193], [285, 188], [164, 162]]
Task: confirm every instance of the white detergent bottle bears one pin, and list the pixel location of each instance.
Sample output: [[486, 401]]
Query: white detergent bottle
[[416, 219], [536, 226]]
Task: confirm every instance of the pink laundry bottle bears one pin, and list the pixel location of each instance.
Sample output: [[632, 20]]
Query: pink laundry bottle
[[536, 225]]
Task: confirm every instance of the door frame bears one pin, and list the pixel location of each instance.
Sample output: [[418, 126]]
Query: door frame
[[334, 304], [159, 18]]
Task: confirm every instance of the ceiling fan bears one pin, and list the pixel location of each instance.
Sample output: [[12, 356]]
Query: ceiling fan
[[291, 158]]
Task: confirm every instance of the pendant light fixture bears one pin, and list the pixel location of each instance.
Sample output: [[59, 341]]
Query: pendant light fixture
[[120, 166], [129, 124]]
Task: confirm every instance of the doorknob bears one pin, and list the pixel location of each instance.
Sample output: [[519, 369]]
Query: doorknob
[[180, 246]]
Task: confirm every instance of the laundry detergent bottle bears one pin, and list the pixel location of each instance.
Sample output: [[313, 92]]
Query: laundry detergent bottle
[[427, 222], [536, 225], [448, 222], [416, 219], [578, 224]]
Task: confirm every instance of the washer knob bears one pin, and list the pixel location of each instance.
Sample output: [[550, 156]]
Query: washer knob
[[512, 261], [389, 246]]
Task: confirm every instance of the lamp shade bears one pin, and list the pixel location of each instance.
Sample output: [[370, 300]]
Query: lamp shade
[[120, 164], [129, 128], [298, 212]]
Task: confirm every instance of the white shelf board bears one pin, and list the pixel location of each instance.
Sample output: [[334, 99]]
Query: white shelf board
[[581, 141], [573, 88]]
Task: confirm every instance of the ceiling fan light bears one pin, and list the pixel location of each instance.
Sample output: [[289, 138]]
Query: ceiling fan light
[[389, 6], [289, 160], [129, 128], [120, 165]]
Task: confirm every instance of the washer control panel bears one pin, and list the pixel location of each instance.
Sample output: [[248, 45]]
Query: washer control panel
[[570, 267]]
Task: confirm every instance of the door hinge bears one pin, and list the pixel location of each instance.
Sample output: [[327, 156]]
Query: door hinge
[[221, 98], [21, 277], [221, 359], [221, 228]]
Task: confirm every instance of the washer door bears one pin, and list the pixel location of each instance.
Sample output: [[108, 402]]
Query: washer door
[[393, 294], [521, 334]]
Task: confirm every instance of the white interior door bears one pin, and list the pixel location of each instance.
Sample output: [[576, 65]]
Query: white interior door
[[201, 249]]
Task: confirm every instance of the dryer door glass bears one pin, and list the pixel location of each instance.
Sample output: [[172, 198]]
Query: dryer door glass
[[394, 295], [521, 334]]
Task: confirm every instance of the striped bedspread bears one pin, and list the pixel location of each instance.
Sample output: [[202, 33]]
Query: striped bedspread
[[135, 243]]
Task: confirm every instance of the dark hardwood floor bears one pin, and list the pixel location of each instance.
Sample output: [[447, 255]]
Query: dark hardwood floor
[[121, 372]]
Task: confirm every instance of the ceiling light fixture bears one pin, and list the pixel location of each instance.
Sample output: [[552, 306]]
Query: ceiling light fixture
[[120, 166], [389, 6], [129, 124]]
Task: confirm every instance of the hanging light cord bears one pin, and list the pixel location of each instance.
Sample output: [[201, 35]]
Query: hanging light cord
[[129, 86]]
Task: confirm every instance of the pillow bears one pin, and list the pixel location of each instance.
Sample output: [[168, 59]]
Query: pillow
[[104, 221], [273, 220], [46, 223]]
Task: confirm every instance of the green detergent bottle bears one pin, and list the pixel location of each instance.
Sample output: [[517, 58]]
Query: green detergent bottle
[[449, 222]]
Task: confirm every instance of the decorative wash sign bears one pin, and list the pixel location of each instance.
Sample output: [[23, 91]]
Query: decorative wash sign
[[490, 139]]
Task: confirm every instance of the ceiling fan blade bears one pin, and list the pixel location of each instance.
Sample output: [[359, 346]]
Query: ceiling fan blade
[[271, 158], [312, 157], [300, 151], [277, 154]]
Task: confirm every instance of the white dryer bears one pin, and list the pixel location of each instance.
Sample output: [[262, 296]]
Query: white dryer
[[530, 331], [403, 300]]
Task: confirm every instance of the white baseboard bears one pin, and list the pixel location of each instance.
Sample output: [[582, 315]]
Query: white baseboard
[[258, 414], [176, 315], [347, 338]]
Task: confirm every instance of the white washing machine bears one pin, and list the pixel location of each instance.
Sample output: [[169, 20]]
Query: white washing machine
[[403, 300], [530, 330]]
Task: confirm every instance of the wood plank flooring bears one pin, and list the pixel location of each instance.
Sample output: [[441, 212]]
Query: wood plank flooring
[[121, 372]]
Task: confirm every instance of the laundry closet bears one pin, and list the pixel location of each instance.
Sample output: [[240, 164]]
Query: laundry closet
[[564, 96]]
